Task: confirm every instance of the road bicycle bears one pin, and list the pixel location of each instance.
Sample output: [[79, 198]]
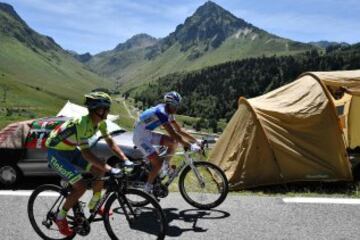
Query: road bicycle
[[121, 219], [202, 184]]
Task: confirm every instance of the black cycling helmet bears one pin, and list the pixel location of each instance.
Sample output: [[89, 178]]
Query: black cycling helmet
[[96, 100]]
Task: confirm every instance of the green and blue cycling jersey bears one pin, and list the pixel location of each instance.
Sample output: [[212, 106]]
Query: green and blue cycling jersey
[[75, 133], [65, 143]]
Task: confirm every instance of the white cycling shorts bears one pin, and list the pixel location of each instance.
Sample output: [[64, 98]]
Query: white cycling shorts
[[145, 140]]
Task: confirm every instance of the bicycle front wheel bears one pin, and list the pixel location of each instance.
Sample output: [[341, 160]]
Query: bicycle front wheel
[[203, 187], [42, 208], [125, 221]]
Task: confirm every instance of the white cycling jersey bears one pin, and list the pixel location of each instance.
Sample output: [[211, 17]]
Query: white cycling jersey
[[152, 118]]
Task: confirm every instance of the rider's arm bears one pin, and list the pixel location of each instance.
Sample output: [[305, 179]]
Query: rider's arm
[[110, 142], [182, 132], [115, 148], [91, 158], [175, 135]]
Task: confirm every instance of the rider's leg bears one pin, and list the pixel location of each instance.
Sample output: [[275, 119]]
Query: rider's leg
[[171, 147], [145, 140], [59, 161], [78, 189], [156, 161], [97, 187], [155, 167], [97, 172]]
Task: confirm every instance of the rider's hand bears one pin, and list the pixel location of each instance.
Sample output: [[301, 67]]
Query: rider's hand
[[195, 148], [115, 171]]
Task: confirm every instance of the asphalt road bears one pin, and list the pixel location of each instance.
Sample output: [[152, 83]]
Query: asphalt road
[[239, 217]]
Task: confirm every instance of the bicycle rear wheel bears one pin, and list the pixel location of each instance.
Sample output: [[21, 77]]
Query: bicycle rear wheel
[[42, 208], [126, 221], [205, 190]]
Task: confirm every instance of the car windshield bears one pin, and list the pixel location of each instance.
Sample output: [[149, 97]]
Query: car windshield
[[112, 128]]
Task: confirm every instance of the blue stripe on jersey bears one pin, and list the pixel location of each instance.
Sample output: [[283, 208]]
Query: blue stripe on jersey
[[154, 117]]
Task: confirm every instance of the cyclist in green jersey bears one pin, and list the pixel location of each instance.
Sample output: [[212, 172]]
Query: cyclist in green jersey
[[69, 153]]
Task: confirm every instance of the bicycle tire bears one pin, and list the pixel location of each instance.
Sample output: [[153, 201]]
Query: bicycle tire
[[209, 170], [30, 209], [144, 224], [139, 203]]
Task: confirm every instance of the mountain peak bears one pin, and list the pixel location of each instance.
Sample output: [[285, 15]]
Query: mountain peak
[[210, 7], [215, 12], [13, 26], [207, 28], [141, 40], [7, 8]]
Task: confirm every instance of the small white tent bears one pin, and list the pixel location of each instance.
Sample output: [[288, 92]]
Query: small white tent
[[73, 110]]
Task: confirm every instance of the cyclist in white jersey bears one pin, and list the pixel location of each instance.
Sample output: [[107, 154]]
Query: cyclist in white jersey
[[144, 137]]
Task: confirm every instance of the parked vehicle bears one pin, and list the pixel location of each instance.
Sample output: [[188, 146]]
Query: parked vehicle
[[31, 158]]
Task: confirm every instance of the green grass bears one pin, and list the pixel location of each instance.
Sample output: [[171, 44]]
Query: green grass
[[134, 69], [308, 189], [186, 121], [303, 189], [38, 83], [125, 120]]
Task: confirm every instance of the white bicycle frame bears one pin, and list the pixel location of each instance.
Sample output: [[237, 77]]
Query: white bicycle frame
[[187, 161]]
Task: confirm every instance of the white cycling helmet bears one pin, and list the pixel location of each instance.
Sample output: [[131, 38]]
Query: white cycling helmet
[[172, 98]]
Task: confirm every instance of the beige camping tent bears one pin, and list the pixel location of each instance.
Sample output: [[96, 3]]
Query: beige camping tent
[[293, 133]]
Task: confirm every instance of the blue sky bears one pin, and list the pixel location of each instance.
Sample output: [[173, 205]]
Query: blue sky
[[98, 25]]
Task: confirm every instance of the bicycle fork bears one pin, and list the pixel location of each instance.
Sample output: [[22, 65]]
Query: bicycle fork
[[123, 203], [196, 171]]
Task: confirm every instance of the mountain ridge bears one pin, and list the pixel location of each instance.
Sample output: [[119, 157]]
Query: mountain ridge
[[210, 36], [141, 40], [38, 74]]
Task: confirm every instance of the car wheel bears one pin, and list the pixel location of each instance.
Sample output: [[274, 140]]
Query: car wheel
[[10, 175]]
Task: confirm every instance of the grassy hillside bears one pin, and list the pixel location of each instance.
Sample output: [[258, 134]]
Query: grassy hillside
[[173, 60], [39, 83], [212, 93], [36, 75], [209, 37], [132, 68]]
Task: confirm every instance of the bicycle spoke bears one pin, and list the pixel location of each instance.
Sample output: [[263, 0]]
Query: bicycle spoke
[[42, 208], [128, 222], [203, 186]]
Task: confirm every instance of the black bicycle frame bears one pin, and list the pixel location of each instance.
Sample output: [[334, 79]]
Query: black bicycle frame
[[114, 188]]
